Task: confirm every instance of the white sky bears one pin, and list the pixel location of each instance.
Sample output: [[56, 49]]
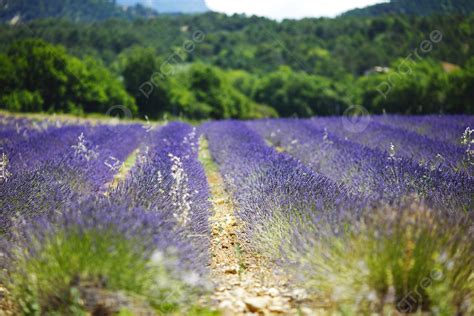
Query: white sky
[[279, 9]]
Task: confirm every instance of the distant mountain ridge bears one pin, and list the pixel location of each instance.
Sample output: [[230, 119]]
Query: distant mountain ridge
[[169, 6], [415, 7], [14, 11], [76, 10], [88, 10]]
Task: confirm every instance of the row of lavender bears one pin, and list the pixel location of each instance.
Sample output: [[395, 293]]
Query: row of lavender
[[380, 175], [51, 168], [363, 228], [168, 179], [439, 128], [269, 189], [13, 129], [65, 230], [429, 150]]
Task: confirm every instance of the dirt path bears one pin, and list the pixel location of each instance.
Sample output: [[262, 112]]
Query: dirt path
[[6, 306], [245, 282], [123, 171]]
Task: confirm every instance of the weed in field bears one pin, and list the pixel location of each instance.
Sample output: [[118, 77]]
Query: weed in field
[[67, 262], [84, 149], [406, 257], [467, 140], [4, 173], [180, 195]]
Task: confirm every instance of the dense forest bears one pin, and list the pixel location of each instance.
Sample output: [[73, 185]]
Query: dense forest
[[76, 10], [217, 66], [415, 7]]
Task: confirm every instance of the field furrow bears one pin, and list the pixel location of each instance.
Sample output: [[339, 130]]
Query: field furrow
[[244, 280]]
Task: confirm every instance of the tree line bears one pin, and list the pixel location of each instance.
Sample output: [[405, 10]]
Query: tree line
[[243, 67]]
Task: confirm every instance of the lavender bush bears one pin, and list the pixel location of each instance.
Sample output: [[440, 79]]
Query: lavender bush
[[403, 242], [424, 150], [382, 176], [445, 128], [271, 191], [169, 178], [66, 229], [102, 245], [65, 170]]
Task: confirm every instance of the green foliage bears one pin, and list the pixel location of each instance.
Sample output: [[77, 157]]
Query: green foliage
[[46, 78], [245, 67], [95, 88], [461, 90], [320, 46], [49, 281], [210, 87], [23, 100], [142, 80], [419, 7], [214, 94], [297, 93], [196, 91], [84, 10], [399, 258], [41, 67], [8, 76], [409, 87], [419, 87]]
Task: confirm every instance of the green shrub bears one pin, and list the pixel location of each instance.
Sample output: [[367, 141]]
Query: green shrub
[[298, 93], [39, 76], [409, 87], [22, 101], [48, 281]]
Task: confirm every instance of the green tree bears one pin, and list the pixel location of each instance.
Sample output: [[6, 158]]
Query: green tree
[[41, 67], [409, 87], [144, 79], [8, 75], [297, 93], [460, 93], [93, 88], [203, 91], [46, 78], [22, 100]]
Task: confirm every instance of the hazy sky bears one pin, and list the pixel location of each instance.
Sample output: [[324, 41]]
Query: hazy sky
[[279, 9]]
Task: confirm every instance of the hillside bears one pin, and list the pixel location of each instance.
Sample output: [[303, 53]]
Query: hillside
[[169, 6], [415, 7], [303, 67], [216, 66], [76, 10], [327, 47], [93, 10]]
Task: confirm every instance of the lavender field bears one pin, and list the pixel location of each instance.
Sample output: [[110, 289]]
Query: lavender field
[[321, 216]]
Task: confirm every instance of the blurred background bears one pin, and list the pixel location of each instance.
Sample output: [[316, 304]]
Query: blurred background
[[219, 59]]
